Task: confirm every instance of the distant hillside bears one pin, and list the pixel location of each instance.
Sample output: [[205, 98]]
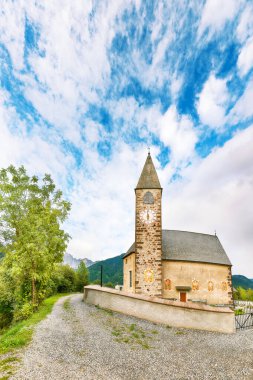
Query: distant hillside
[[112, 270], [74, 263], [244, 282]]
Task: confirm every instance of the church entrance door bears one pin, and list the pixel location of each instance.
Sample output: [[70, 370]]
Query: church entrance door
[[182, 296]]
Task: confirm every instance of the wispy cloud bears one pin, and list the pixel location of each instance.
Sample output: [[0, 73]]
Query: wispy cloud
[[87, 86]]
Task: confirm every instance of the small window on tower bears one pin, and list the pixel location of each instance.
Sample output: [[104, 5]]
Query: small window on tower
[[148, 198], [130, 279]]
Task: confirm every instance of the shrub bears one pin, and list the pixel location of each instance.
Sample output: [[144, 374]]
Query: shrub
[[109, 285], [23, 312], [82, 276], [64, 279]]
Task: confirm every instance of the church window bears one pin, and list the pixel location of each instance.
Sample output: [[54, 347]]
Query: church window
[[148, 198], [130, 279]]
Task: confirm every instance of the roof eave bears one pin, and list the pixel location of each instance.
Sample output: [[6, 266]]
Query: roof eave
[[196, 261]]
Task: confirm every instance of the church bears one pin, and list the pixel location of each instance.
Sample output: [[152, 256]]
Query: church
[[175, 265]]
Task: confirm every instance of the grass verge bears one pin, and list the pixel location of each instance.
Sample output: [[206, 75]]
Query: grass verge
[[20, 334]]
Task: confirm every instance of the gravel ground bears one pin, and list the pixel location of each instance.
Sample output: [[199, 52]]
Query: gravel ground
[[78, 341]]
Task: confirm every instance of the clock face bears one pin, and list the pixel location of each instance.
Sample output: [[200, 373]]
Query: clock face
[[148, 216]]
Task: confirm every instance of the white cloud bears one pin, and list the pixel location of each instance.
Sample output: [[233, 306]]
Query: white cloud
[[216, 13], [243, 108], [211, 105], [245, 59], [215, 194], [176, 84], [245, 25], [178, 133], [102, 216], [12, 31], [18, 147]]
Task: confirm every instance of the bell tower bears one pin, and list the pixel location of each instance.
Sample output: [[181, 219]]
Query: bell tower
[[148, 232]]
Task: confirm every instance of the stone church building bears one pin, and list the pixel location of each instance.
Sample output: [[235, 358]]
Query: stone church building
[[175, 265]]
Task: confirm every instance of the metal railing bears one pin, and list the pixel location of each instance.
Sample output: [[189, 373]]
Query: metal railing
[[244, 317]]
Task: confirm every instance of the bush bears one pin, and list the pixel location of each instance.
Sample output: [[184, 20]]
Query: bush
[[82, 276], [64, 279], [7, 300], [239, 312], [23, 312], [243, 294], [109, 285]]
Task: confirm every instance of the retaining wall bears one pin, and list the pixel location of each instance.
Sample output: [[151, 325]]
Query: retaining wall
[[159, 310]]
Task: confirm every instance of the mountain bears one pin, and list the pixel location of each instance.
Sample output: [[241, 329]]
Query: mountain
[[242, 281], [74, 263], [112, 270]]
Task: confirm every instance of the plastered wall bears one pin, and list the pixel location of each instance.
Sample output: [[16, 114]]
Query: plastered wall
[[210, 282], [129, 265], [172, 313]]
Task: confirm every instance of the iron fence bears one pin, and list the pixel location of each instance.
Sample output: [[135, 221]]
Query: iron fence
[[244, 318]]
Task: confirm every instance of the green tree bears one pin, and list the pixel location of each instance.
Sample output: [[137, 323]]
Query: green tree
[[82, 276], [64, 279], [31, 214]]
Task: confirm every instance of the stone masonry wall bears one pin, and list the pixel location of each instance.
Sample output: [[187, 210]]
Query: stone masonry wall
[[148, 240]]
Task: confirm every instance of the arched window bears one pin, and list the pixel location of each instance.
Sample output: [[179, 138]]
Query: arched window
[[148, 198]]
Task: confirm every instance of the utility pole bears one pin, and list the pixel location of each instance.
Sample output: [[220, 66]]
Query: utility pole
[[101, 275]]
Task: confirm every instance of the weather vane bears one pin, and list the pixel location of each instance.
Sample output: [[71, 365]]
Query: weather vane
[[148, 149]]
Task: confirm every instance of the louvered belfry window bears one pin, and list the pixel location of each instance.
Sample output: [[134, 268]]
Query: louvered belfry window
[[148, 198]]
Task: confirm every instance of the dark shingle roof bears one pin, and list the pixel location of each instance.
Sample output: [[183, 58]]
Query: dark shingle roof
[[190, 246], [149, 178]]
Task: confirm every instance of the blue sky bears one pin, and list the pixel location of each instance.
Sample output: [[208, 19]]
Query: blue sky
[[87, 86]]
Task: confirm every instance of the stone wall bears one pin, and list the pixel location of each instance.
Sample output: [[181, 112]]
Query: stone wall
[[148, 246], [129, 265], [154, 309], [210, 282]]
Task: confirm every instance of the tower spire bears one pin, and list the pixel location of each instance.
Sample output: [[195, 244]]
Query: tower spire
[[149, 178]]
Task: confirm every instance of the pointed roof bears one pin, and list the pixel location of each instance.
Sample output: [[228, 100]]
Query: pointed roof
[[149, 178]]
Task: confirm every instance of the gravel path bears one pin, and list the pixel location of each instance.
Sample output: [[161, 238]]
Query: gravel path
[[78, 341]]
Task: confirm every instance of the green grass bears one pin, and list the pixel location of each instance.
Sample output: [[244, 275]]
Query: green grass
[[20, 334], [239, 312], [66, 304], [180, 332]]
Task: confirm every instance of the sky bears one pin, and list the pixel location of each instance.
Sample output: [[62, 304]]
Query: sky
[[87, 86]]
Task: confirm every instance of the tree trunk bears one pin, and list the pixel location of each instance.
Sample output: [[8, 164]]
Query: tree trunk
[[34, 295]]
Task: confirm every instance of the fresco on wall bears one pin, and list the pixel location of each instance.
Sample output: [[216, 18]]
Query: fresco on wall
[[195, 285], [167, 284], [149, 275], [210, 286]]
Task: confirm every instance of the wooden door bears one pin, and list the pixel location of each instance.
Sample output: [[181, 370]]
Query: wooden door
[[182, 296]]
